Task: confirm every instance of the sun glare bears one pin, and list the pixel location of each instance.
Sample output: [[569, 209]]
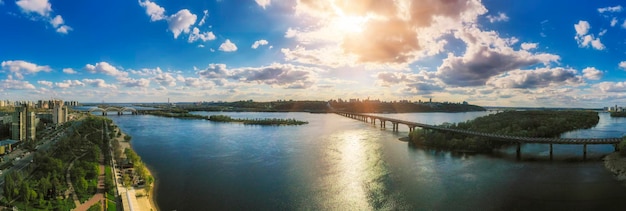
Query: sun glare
[[349, 24]]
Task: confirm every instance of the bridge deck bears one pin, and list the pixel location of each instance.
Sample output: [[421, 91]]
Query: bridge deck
[[496, 137]]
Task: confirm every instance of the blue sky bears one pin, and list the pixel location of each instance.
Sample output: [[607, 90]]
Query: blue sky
[[491, 53]]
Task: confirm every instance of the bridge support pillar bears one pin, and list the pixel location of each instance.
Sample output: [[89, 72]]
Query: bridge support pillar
[[584, 151], [550, 151], [519, 150]]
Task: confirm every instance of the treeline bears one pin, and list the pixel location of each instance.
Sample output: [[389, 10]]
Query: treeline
[[46, 186], [251, 106], [403, 107], [176, 114], [618, 114], [266, 121], [512, 123]]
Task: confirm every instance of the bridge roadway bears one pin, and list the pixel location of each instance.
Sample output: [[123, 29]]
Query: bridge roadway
[[496, 137]]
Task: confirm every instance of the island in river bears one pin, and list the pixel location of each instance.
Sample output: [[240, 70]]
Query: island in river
[[544, 124]]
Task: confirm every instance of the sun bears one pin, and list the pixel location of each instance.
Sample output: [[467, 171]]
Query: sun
[[348, 24]]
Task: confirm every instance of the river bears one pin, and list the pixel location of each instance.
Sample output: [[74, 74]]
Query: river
[[337, 163]]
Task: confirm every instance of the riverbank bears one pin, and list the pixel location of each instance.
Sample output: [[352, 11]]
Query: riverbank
[[616, 164], [145, 199]]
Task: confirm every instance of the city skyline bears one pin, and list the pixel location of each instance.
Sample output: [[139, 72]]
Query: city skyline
[[490, 53]]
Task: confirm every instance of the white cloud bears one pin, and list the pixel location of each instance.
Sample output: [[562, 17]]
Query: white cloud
[[64, 29], [606, 87], [200, 46], [582, 28], [57, 21], [196, 35], [203, 20], [622, 65], [181, 22], [41, 7], [69, 84], [624, 24], [99, 83], [613, 22], [592, 73], [259, 43], [290, 33], [9, 83], [617, 8], [105, 68], [69, 71], [603, 32], [528, 46], [501, 17], [45, 83], [130, 82], [165, 79], [21, 68], [585, 40], [153, 10], [263, 3], [228, 46], [538, 78]]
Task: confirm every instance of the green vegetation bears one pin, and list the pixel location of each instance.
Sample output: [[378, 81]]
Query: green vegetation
[[267, 121], [622, 147], [618, 114], [46, 186], [140, 169], [109, 184], [95, 207], [513, 123], [176, 114], [403, 107]]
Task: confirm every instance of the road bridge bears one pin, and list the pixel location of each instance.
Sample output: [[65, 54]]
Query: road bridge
[[119, 110], [496, 137]]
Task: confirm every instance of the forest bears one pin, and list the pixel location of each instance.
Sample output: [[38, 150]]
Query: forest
[[512, 123]]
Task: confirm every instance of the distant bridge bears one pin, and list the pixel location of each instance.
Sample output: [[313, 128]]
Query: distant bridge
[[496, 137], [119, 110]]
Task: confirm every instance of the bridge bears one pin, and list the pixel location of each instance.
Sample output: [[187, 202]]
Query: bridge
[[119, 110], [496, 137]]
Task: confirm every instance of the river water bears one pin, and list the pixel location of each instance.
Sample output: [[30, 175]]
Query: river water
[[337, 163]]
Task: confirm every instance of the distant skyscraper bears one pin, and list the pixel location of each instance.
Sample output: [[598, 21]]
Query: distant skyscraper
[[24, 124], [59, 112]]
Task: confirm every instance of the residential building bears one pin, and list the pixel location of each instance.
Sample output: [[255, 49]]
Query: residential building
[[24, 124]]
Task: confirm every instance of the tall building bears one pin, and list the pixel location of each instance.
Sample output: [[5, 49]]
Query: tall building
[[59, 112], [24, 124]]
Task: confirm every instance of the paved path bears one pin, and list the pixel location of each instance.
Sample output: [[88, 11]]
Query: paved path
[[99, 196]]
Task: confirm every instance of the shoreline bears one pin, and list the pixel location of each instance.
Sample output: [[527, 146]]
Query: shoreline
[[149, 198], [617, 165]]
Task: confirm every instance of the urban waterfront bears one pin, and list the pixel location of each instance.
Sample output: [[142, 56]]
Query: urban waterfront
[[339, 163]]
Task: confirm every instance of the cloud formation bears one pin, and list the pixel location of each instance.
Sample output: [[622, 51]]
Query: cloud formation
[[263, 3], [181, 22], [259, 43], [43, 9], [197, 35], [538, 78], [105, 68], [20, 68], [228, 46], [282, 75], [585, 40], [592, 73], [153, 10], [617, 8], [501, 17]]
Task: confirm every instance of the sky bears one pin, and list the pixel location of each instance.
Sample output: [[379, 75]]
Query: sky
[[534, 53]]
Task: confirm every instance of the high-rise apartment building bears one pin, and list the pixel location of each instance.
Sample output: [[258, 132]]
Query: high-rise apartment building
[[24, 124], [59, 112]]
